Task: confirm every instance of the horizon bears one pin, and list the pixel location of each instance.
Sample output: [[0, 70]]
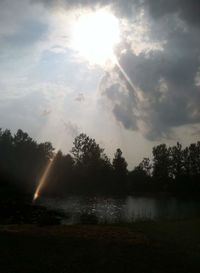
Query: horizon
[[110, 157], [125, 73]]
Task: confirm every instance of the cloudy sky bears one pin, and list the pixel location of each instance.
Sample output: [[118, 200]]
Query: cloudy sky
[[125, 72]]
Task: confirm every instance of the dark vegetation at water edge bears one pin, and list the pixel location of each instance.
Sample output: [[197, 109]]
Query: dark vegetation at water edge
[[88, 170]]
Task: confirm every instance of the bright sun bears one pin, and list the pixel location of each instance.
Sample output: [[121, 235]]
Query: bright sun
[[94, 36]]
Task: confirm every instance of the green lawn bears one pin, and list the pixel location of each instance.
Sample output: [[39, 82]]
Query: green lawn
[[157, 247]]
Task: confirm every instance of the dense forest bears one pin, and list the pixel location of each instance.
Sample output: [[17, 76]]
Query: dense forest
[[88, 170]]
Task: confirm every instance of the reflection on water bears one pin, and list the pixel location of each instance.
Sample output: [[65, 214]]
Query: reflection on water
[[113, 210]]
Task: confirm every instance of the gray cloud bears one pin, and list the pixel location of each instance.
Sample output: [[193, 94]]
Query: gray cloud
[[121, 7], [72, 129], [196, 132], [80, 97], [187, 10], [46, 112], [164, 94]]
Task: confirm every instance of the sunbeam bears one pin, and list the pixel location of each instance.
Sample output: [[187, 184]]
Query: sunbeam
[[43, 179]]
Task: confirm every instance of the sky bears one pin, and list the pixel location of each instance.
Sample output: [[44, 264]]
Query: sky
[[126, 73]]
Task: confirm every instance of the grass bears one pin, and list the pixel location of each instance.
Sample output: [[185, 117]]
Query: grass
[[153, 247]]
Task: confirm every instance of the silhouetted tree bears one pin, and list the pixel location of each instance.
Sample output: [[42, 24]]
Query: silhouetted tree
[[6, 151], [22, 160], [86, 150], [120, 171], [120, 164], [140, 178], [192, 167], [89, 171], [90, 164], [176, 161], [60, 177], [161, 166], [194, 158], [146, 166]]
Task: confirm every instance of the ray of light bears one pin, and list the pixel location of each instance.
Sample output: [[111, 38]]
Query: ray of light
[[126, 77], [43, 178]]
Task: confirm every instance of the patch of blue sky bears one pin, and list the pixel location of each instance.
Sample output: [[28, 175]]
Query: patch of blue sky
[[27, 34]]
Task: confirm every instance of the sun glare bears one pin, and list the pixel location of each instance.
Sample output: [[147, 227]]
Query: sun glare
[[94, 36]]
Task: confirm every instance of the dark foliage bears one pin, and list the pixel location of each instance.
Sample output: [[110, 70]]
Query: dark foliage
[[87, 170]]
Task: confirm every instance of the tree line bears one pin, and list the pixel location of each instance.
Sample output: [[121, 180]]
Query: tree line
[[88, 170]]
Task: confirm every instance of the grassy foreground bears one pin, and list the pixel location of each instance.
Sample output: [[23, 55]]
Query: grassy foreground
[[157, 247]]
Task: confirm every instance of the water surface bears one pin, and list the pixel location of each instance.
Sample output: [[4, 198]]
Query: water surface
[[129, 209]]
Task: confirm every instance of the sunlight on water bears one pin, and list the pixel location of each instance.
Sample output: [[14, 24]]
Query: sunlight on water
[[130, 209]]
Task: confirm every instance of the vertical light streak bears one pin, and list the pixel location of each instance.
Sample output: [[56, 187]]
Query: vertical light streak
[[43, 178]]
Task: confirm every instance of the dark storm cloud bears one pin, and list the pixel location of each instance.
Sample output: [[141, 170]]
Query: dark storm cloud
[[166, 81], [165, 78], [188, 10]]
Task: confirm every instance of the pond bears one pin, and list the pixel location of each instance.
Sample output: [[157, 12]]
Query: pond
[[124, 210]]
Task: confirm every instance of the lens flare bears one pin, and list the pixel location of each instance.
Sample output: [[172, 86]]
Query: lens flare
[[126, 77], [43, 179]]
